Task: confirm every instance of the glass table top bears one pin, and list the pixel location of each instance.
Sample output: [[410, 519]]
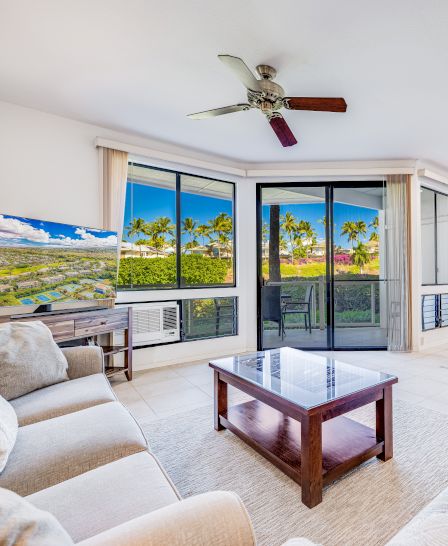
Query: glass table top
[[306, 379]]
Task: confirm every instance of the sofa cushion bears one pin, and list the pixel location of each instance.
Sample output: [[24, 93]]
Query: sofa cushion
[[63, 398], [8, 431], [51, 451], [23, 524], [29, 358], [108, 496]]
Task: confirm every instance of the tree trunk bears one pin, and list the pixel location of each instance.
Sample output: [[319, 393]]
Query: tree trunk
[[274, 243]]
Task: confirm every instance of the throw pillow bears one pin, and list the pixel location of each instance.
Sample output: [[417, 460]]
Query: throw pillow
[[8, 431], [24, 524], [29, 359]]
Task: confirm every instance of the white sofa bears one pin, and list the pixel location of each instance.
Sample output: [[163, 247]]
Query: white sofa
[[81, 456]]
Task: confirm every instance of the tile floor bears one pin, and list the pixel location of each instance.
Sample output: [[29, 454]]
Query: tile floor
[[161, 392]]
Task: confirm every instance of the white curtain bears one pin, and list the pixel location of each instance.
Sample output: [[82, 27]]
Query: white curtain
[[115, 173], [398, 263]]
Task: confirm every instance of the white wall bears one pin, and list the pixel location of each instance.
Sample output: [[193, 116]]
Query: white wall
[[50, 171]]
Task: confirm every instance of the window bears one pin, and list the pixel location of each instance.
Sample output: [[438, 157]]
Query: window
[[206, 318], [207, 232], [178, 231], [434, 233], [148, 250]]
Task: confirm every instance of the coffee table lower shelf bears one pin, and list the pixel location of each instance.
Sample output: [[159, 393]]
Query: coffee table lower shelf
[[345, 442]]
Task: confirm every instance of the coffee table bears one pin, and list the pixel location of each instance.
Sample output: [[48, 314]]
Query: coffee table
[[296, 418]]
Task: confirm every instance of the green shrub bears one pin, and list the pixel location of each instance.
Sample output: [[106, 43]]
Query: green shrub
[[195, 270]]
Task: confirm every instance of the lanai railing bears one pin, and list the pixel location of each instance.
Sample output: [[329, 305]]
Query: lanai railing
[[348, 295]]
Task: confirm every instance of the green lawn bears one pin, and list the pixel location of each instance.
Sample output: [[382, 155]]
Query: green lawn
[[318, 269]]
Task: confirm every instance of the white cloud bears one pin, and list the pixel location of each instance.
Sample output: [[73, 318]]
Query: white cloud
[[13, 228], [87, 240]]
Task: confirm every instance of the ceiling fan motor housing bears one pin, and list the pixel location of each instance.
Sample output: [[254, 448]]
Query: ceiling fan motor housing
[[269, 97]]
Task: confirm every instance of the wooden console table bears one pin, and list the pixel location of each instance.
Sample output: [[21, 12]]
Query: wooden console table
[[91, 324]]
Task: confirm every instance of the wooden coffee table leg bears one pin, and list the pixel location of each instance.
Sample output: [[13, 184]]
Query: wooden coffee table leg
[[384, 423], [220, 400], [311, 460]]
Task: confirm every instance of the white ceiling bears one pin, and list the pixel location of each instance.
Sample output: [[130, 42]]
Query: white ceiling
[[142, 65]]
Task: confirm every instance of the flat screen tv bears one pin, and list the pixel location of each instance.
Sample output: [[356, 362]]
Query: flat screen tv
[[42, 263]]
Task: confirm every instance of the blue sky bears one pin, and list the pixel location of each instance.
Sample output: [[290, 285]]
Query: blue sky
[[150, 203], [315, 212], [15, 231]]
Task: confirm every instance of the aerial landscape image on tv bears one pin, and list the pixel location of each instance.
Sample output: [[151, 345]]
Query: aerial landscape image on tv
[[47, 262]]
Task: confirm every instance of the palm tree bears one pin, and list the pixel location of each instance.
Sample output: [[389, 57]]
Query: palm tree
[[361, 228], [360, 256], [191, 244], [137, 227], [203, 231], [163, 226], [189, 226], [349, 229], [158, 242], [289, 225], [374, 224], [224, 241], [283, 245], [221, 225]]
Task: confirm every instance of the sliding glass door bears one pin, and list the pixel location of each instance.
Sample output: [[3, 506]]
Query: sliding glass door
[[321, 266], [359, 286]]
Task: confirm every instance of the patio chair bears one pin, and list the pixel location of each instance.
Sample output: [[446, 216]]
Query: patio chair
[[271, 306], [299, 307]]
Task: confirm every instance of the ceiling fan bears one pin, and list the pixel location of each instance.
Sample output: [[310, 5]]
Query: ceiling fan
[[269, 97]]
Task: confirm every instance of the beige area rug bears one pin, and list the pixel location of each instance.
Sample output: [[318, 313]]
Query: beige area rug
[[366, 507]]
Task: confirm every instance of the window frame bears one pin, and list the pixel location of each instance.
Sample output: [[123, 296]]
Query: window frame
[[436, 263], [178, 219], [236, 310]]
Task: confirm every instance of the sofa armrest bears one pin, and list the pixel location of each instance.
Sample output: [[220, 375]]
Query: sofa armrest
[[218, 518], [84, 360]]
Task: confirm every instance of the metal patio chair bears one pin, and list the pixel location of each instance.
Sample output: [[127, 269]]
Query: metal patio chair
[[298, 307]]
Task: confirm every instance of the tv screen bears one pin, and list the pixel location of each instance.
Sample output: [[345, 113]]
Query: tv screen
[[46, 262]]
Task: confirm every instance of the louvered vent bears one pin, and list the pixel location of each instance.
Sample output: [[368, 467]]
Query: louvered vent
[[154, 323], [146, 320], [170, 318]]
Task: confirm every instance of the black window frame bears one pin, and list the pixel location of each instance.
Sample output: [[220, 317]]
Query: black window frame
[[235, 318], [436, 267], [178, 285]]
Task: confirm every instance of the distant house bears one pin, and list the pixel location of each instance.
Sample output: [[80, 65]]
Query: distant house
[[372, 247], [53, 278], [131, 250], [102, 288], [319, 249], [27, 284], [5, 287]]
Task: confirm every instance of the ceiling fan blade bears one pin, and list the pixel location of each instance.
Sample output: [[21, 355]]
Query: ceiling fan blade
[[316, 104], [241, 71], [282, 130], [219, 111]]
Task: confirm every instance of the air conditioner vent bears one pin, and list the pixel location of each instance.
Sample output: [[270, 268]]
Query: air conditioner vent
[[154, 323], [146, 320], [170, 318]]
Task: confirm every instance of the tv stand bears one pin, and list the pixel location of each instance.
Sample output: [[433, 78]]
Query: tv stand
[[90, 324]]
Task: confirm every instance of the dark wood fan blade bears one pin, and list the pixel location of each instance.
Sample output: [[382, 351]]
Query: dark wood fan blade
[[316, 104], [282, 130], [219, 111]]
